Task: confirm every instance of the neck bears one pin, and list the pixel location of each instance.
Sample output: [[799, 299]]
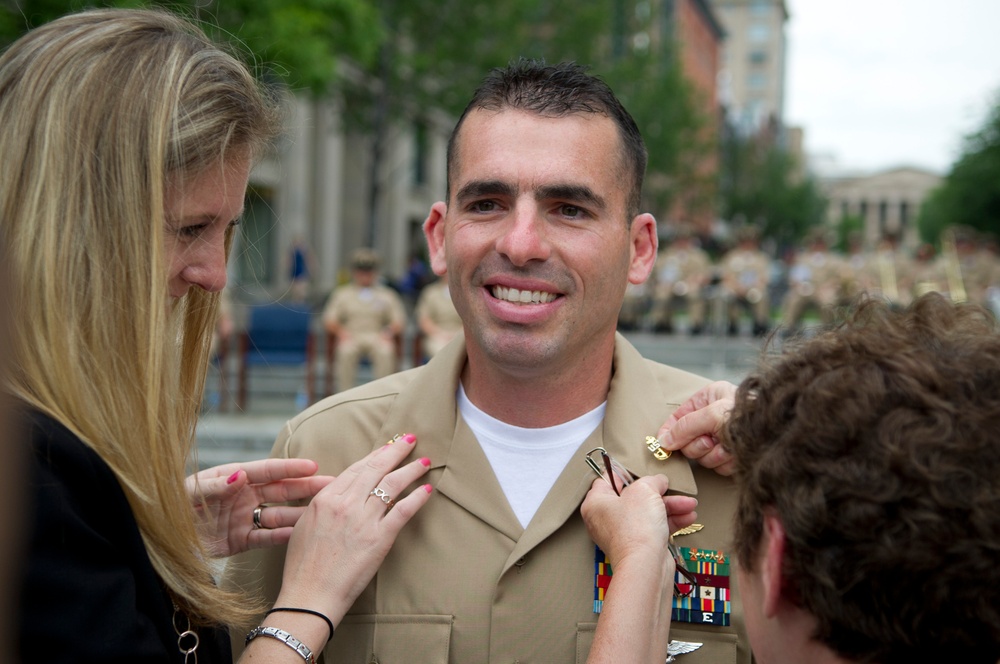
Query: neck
[[538, 398], [790, 641]]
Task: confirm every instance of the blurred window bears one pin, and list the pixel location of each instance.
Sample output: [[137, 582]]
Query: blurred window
[[758, 32]]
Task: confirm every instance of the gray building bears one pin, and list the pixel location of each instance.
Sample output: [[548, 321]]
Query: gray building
[[752, 76], [887, 202], [316, 188]]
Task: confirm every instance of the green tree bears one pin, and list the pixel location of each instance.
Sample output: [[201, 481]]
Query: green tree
[[436, 53], [762, 184], [300, 41], [395, 62], [970, 193]]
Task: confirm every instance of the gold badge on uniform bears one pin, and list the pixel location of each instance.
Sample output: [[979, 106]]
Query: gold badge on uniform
[[654, 445]]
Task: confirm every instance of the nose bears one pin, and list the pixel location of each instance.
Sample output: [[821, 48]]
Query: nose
[[207, 269], [524, 236]]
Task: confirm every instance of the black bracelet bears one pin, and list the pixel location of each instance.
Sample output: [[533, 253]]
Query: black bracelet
[[309, 611]]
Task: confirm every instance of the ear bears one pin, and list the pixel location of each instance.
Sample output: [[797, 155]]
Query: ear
[[434, 232], [771, 564], [644, 245]]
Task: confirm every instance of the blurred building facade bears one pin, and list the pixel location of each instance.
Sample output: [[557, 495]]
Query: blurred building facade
[[752, 75], [698, 36], [886, 202]]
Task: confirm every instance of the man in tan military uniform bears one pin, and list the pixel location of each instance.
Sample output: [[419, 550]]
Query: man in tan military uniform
[[746, 271], [364, 316], [892, 273], [928, 273], [539, 237], [436, 317], [682, 271], [814, 279], [972, 270], [857, 273]]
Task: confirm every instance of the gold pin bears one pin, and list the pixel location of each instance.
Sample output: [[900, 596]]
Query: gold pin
[[688, 530], [654, 446]]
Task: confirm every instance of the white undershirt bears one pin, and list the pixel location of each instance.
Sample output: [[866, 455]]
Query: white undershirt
[[527, 462]]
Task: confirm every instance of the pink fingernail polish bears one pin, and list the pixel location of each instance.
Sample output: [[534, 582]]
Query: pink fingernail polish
[[428, 488], [232, 478], [410, 438], [425, 461]]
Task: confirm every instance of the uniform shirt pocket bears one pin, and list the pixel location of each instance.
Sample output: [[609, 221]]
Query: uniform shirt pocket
[[717, 647], [391, 639]]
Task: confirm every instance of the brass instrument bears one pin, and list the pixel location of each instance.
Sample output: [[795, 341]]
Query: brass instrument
[[953, 267]]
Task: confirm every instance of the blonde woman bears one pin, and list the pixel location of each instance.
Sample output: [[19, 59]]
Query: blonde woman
[[128, 138]]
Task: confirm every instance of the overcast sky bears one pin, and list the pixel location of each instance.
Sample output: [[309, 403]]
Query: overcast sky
[[883, 83]]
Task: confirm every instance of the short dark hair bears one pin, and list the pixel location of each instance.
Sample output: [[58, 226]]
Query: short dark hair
[[556, 91], [877, 445]]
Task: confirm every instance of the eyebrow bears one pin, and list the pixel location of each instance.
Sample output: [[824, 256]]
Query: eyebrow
[[480, 188], [567, 192], [571, 192]]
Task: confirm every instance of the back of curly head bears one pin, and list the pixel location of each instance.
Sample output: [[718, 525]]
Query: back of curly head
[[877, 445]]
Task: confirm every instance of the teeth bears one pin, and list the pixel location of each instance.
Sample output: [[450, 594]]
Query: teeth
[[522, 297]]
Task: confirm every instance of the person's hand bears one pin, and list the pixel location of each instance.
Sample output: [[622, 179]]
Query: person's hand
[[633, 529], [639, 521], [225, 497], [693, 429], [347, 530]]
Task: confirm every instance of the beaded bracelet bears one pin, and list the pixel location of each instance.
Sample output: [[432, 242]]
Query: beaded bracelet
[[292, 609]]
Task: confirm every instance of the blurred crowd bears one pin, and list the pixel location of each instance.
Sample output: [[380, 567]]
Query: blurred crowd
[[747, 289], [743, 290]]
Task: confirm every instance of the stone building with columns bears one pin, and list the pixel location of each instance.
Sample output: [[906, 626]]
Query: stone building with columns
[[316, 189], [887, 202]]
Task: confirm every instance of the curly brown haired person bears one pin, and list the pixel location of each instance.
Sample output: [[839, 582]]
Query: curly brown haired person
[[868, 461]]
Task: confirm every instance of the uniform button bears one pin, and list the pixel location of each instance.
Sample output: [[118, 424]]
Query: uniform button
[[520, 562]]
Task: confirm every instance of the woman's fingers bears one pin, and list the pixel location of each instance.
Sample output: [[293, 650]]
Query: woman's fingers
[[361, 476], [386, 492], [272, 470], [302, 488], [273, 517]]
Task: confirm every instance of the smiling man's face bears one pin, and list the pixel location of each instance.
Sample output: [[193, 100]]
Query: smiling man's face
[[535, 239]]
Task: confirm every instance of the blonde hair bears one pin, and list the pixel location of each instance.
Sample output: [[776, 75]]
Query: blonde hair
[[98, 112]]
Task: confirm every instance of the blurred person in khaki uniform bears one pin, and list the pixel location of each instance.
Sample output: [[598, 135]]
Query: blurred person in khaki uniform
[[746, 271], [857, 275], [814, 279], [928, 272], [892, 272], [682, 271], [540, 235], [635, 307], [971, 269], [365, 316], [437, 318]]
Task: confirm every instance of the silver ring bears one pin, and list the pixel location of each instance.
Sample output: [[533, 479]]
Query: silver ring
[[380, 493], [257, 525]]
